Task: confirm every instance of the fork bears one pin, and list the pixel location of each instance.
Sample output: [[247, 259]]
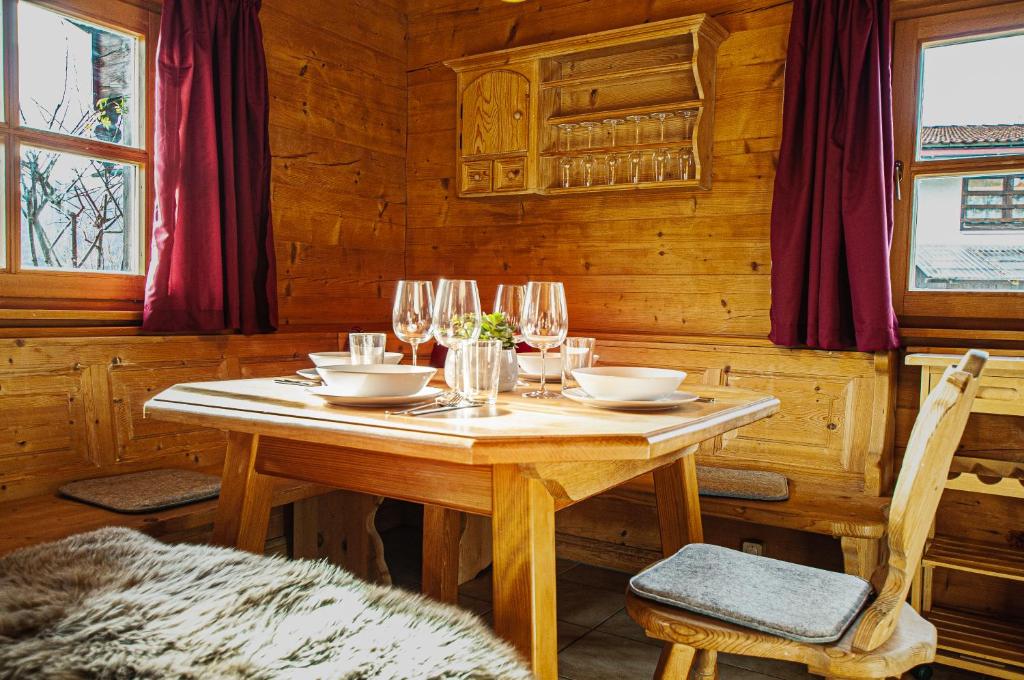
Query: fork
[[447, 400]]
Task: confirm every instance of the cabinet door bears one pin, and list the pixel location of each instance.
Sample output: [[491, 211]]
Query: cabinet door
[[495, 113]]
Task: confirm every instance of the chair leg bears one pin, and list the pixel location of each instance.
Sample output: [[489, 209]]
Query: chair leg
[[675, 662], [705, 665]]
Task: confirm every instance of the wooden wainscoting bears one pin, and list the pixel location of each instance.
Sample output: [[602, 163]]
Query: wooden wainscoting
[[72, 407]]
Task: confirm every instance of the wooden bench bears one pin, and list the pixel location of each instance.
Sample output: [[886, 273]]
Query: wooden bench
[[50, 517], [832, 439]]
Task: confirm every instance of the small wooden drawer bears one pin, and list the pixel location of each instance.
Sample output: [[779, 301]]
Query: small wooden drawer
[[476, 177], [509, 174]]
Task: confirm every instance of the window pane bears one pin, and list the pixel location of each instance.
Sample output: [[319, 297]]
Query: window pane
[[969, 104], [961, 247], [77, 78], [78, 213]]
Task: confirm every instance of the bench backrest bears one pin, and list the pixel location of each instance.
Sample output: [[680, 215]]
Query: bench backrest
[[836, 423]]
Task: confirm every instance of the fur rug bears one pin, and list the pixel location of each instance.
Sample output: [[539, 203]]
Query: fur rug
[[117, 604]]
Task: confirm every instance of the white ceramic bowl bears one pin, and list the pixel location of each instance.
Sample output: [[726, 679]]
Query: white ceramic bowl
[[529, 363], [376, 380], [624, 383], [345, 358]]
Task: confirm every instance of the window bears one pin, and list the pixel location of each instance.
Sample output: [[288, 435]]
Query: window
[[959, 126], [76, 143]]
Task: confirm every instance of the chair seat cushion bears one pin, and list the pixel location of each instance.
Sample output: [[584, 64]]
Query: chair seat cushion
[[789, 600], [755, 485]]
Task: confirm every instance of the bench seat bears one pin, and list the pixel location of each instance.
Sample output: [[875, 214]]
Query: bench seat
[[50, 517]]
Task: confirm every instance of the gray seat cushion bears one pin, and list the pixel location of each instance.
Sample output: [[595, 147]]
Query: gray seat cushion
[[789, 600], [755, 485]]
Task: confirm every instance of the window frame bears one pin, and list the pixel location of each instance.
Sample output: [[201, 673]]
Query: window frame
[[93, 294], [911, 35]]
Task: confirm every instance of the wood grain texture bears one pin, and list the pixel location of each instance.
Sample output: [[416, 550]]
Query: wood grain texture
[[243, 508], [628, 265], [337, 137], [442, 529], [524, 561]]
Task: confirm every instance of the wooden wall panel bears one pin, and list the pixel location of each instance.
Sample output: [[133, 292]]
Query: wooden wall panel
[[73, 407], [666, 261], [337, 135]]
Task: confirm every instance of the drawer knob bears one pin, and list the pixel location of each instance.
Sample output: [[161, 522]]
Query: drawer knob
[[475, 176], [517, 115], [511, 174]]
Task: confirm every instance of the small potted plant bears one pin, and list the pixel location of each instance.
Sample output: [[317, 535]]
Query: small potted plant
[[494, 326]]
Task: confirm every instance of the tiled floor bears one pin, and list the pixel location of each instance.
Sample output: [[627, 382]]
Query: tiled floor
[[596, 638]]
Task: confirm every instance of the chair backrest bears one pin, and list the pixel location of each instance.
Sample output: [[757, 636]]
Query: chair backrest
[[933, 441]]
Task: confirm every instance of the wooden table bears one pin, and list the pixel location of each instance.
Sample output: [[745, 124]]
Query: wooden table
[[517, 462]]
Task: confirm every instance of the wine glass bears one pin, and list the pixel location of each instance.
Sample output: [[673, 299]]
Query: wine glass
[[613, 164], [685, 162], [636, 158], [565, 162], [588, 159], [456, 318], [661, 155], [688, 116], [413, 314], [545, 325], [509, 301]]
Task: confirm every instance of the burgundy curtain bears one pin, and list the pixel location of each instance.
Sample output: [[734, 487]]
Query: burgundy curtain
[[212, 265], [832, 212]]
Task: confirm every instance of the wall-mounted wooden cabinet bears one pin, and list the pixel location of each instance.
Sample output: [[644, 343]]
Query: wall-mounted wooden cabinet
[[631, 108]]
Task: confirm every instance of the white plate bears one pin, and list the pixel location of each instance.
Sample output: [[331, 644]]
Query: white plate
[[308, 374], [332, 397], [671, 401], [535, 377]]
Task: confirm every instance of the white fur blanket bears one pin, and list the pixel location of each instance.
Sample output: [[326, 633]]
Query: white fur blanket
[[114, 603]]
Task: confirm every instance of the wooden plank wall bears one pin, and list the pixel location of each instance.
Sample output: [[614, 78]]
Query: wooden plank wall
[[664, 261], [337, 135]]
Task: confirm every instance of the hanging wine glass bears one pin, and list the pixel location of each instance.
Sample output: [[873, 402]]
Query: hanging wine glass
[[545, 325], [565, 162], [661, 155], [412, 316], [636, 158], [588, 159]]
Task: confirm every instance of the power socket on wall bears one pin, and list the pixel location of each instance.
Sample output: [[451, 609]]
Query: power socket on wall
[[752, 547]]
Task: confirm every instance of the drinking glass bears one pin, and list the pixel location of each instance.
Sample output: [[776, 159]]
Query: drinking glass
[[413, 314], [613, 165], [685, 163], [565, 162], [480, 366], [636, 158], [456, 318], [545, 323], [688, 116], [588, 159], [576, 353], [660, 164], [613, 123], [509, 301], [366, 348]]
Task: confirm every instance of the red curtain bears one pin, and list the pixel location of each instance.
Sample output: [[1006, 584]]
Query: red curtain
[[831, 227], [212, 266]]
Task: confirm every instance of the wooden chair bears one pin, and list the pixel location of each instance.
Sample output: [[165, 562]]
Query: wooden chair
[[888, 638]]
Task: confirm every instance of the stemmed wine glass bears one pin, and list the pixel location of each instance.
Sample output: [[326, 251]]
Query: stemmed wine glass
[[612, 159], [661, 155], [588, 159], [636, 157], [545, 325], [456, 319], [565, 162], [509, 301], [413, 314]]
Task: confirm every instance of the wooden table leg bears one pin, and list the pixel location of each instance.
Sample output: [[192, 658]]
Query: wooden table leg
[[676, 493], [523, 524], [442, 528], [243, 510]]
